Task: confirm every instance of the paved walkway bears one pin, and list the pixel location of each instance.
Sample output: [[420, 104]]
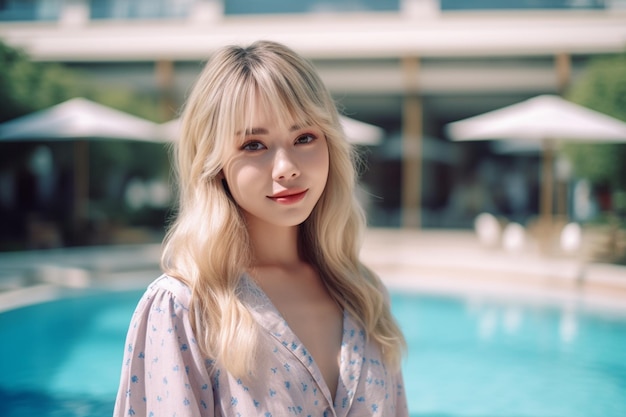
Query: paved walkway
[[453, 262], [437, 261]]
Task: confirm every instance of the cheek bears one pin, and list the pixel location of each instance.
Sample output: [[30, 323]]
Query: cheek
[[321, 163], [242, 180]]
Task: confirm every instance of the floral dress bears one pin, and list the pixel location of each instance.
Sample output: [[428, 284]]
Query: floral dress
[[164, 373]]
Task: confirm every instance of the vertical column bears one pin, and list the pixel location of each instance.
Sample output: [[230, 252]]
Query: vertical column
[[74, 13], [420, 9], [206, 11], [411, 146], [164, 72], [563, 68]]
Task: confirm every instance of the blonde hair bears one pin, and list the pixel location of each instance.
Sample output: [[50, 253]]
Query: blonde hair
[[208, 246]]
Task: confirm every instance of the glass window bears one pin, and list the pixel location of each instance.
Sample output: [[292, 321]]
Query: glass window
[[15, 10], [520, 4], [139, 9], [238, 7]]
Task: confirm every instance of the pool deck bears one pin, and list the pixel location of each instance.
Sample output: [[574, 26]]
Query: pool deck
[[445, 262]]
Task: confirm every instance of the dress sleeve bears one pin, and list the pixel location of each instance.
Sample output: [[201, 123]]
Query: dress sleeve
[[402, 409], [164, 373]]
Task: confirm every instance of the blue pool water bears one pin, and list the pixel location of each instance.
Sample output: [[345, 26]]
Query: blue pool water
[[494, 359], [466, 359]]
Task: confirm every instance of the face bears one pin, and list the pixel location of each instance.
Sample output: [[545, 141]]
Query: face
[[276, 172]]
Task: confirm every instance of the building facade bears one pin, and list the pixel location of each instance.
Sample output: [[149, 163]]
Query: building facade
[[409, 66]]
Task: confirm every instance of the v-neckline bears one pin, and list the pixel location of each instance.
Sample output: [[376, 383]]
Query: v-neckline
[[351, 350]]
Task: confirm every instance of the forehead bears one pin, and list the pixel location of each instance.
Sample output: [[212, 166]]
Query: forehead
[[263, 113]]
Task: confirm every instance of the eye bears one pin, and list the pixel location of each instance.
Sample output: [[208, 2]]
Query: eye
[[253, 146], [306, 138]]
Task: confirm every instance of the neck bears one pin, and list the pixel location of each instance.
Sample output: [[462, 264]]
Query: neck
[[274, 246]]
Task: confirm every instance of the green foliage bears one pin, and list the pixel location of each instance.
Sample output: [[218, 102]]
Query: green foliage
[[126, 100], [27, 86], [602, 88]]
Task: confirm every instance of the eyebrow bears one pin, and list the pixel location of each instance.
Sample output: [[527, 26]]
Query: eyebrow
[[263, 131]]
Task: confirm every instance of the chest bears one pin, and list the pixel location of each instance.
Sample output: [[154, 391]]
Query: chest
[[316, 321], [287, 381]]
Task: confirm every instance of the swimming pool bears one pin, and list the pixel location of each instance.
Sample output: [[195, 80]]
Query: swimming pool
[[487, 358], [467, 358]]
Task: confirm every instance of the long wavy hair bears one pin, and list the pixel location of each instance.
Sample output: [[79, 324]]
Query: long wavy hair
[[208, 247]]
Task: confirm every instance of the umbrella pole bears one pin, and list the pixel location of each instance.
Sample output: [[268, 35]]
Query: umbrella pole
[[81, 189], [547, 194]]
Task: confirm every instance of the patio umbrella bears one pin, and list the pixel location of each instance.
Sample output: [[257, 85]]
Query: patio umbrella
[[357, 132], [79, 120], [544, 120]]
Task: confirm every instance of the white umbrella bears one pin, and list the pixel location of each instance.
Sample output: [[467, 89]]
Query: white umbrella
[[543, 120], [79, 120], [539, 118], [357, 132]]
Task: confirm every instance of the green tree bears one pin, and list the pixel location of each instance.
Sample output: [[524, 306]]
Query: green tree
[[27, 86], [602, 87]]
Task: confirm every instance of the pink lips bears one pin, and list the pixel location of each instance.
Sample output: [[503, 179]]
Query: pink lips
[[289, 196]]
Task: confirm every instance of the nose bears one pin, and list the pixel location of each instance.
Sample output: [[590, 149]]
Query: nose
[[285, 166]]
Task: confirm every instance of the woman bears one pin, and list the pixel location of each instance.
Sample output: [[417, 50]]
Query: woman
[[264, 308]]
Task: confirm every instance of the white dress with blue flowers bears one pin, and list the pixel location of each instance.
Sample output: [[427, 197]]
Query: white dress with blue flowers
[[164, 374]]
